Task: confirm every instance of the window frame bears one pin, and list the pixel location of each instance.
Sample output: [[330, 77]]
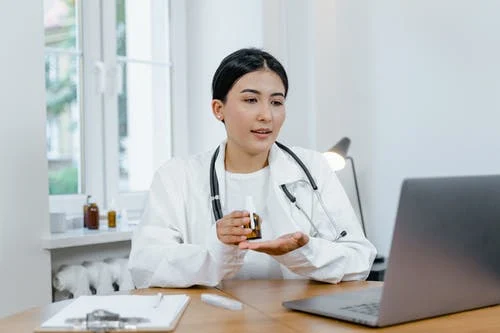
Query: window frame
[[99, 106], [90, 108]]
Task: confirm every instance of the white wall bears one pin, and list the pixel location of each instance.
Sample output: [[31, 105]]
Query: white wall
[[219, 27], [417, 89], [288, 35], [25, 268], [343, 76], [214, 29]]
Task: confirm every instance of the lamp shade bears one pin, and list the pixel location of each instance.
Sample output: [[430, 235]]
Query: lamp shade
[[337, 154]]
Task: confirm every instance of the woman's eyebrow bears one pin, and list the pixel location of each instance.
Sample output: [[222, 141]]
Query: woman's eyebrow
[[278, 94], [250, 91], [258, 92]]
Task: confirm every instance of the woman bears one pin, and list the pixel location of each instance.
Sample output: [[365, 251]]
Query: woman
[[190, 235]]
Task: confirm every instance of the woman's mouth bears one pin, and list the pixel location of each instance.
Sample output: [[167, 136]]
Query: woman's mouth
[[262, 133]]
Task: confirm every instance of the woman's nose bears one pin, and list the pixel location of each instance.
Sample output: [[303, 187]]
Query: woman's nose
[[265, 113]]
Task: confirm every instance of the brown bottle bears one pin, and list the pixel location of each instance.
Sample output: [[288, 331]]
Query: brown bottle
[[255, 220], [111, 215], [255, 234], [112, 219], [93, 216], [85, 211]]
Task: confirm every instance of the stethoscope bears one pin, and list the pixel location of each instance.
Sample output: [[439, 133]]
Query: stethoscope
[[215, 198]]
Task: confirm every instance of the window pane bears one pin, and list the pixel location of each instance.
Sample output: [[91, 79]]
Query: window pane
[[62, 84], [143, 111], [63, 123], [142, 29], [121, 33], [144, 103], [61, 23]]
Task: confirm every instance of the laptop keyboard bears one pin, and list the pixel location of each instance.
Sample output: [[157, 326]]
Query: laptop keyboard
[[368, 308]]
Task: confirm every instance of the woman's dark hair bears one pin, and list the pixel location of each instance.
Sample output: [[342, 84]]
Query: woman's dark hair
[[240, 63]]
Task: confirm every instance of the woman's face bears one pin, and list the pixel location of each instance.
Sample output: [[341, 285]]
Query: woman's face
[[253, 112]]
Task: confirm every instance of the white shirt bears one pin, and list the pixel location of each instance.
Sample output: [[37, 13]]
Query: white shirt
[[241, 185], [256, 265]]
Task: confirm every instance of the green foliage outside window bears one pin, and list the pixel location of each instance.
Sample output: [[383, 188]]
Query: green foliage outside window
[[63, 181], [61, 93]]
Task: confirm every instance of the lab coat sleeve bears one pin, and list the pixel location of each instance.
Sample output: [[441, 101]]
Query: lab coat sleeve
[[160, 256], [349, 258]]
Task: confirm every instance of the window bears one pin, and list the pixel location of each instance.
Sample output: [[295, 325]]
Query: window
[[107, 74], [62, 82], [143, 93]]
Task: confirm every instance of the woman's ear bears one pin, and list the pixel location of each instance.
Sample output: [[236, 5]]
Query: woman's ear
[[217, 108]]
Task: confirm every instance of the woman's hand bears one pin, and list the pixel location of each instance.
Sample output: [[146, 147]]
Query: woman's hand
[[279, 246], [230, 228]]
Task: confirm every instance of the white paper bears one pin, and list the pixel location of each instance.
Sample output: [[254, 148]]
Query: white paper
[[163, 316]]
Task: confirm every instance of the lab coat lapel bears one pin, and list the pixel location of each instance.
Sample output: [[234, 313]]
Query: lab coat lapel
[[283, 168]]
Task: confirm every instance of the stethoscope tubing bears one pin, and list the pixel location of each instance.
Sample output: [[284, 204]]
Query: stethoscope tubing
[[215, 197]]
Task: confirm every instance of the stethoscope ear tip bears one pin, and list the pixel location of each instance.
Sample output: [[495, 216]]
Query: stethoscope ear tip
[[343, 233]]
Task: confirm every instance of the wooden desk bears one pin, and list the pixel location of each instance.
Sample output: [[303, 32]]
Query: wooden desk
[[198, 317], [267, 295], [263, 311]]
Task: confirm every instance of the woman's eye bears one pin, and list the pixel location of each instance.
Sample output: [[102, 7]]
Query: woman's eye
[[277, 103], [251, 100]]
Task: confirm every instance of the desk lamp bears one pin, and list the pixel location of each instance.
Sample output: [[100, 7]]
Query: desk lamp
[[337, 157]]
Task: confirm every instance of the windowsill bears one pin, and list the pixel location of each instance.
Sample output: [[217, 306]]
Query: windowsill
[[82, 236]]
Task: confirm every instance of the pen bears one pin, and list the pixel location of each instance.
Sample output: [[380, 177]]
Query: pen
[[158, 300]]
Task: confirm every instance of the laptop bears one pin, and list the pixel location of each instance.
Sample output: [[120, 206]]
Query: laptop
[[444, 256]]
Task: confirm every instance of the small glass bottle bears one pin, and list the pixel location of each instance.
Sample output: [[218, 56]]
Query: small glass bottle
[[255, 220], [85, 211], [93, 216], [112, 215]]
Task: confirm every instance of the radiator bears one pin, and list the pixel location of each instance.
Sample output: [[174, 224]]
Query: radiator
[[91, 277]]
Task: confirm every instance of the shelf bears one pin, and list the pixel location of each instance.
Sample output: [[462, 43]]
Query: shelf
[[82, 237]]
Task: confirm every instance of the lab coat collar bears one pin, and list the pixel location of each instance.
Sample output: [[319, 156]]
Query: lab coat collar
[[282, 167]]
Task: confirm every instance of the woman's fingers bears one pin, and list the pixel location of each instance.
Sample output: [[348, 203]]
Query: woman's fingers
[[234, 231], [236, 218], [230, 228], [237, 214], [238, 221], [232, 240], [301, 238]]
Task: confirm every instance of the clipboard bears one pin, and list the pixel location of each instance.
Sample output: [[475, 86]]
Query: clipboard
[[119, 313]]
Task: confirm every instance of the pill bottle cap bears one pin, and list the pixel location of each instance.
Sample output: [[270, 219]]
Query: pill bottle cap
[[249, 205]]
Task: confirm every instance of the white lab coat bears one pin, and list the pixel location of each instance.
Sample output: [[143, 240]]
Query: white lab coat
[[176, 243]]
